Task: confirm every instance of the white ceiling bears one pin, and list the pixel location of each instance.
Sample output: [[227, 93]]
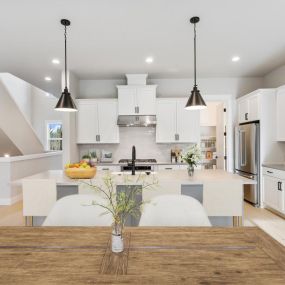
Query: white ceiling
[[109, 38]]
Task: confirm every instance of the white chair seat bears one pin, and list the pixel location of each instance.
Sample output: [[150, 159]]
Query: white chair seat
[[174, 210], [77, 210]]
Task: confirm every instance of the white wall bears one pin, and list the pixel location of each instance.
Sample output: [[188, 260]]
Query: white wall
[[275, 78], [21, 92], [42, 110]]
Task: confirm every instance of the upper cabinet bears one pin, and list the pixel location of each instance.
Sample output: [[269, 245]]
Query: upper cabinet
[[280, 114], [208, 116], [248, 108], [97, 121], [137, 100], [175, 124]]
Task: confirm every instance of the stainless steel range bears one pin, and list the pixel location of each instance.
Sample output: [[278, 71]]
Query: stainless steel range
[[140, 164]]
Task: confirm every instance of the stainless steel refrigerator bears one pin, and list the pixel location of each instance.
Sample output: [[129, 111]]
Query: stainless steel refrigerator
[[247, 158]]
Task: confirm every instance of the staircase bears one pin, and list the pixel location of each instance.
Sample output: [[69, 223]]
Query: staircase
[[15, 115]]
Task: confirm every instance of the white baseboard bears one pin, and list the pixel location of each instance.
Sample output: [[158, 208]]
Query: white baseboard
[[11, 201]]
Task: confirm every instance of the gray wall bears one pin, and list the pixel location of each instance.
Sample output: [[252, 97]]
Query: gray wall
[[175, 87], [275, 78]]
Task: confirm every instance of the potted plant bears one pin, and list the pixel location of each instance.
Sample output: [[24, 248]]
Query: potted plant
[[93, 157], [192, 156], [122, 204], [86, 158]]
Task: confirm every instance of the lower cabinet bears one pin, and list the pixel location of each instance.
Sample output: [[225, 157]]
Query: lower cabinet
[[273, 189]]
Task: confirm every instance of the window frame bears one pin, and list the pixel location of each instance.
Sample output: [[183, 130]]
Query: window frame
[[47, 137]]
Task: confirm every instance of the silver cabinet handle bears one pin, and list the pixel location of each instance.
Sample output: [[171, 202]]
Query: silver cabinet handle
[[138, 109], [168, 168], [279, 186], [178, 137], [99, 137], [269, 171], [105, 169]]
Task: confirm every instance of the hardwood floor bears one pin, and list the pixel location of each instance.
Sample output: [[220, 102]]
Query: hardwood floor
[[262, 218]]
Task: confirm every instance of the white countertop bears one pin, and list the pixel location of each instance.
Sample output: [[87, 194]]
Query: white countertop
[[181, 176]]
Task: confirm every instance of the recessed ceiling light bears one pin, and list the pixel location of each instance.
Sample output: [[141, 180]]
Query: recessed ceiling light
[[235, 58], [6, 155], [55, 61], [149, 59], [47, 78], [47, 94]]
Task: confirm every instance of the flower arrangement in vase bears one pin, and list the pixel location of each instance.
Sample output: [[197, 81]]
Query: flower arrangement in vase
[[122, 204], [192, 157]]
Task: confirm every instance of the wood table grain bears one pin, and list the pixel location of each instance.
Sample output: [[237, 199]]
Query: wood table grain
[[77, 255]]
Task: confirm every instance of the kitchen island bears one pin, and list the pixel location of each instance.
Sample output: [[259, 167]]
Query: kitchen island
[[220, 192]]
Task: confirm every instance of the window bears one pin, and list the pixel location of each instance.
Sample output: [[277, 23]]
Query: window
[[54, 135]]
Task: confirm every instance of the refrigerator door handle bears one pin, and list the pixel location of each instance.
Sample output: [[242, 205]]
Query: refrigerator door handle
[[242, 148]]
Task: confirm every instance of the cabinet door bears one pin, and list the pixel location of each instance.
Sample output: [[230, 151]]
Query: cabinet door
[[243, 110], [253, 106], [87, 122], [166, 120], [188, 123], [280, 115], [146, 100], [107, 117], [127, 100], [270, 186], [208, 116]]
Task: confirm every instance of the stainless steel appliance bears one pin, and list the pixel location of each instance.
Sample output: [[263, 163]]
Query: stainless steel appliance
[[140, 164], [136, 121], [247, 158]]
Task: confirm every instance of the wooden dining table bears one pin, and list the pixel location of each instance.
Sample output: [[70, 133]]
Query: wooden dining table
[[180, 255]]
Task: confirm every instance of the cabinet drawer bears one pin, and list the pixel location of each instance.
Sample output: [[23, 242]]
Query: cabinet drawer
[[168, 167], [273, 172], [111, 168]]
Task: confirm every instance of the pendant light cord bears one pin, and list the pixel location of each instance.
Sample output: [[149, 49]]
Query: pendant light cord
[[195, 83], [65, 57]]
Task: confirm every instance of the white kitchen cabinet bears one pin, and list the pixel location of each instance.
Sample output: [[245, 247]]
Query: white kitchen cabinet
[[280, 114], [188, 123], [87, 121], [134, 100], [97, 121], [166, 121], [208, 116], [273, 189], [175, 124], [248, 108]]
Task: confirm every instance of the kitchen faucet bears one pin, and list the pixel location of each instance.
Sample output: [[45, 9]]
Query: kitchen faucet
[[133, 160]]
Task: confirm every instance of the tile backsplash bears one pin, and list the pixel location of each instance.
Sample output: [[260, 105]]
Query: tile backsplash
[[144, 140]]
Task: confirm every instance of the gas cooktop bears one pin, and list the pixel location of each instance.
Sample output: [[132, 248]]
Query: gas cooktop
[[149, 160]]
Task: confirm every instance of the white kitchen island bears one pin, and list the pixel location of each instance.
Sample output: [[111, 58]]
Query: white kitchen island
[[207, 186]]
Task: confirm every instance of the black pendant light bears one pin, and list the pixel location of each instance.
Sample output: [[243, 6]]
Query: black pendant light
[[195, 101], [65, 102]]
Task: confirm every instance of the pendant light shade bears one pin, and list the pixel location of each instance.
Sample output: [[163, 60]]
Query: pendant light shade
[[65, 102], [195, 101]]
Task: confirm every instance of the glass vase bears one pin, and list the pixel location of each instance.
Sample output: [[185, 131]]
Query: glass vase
[[117, 243], [190, 170]]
